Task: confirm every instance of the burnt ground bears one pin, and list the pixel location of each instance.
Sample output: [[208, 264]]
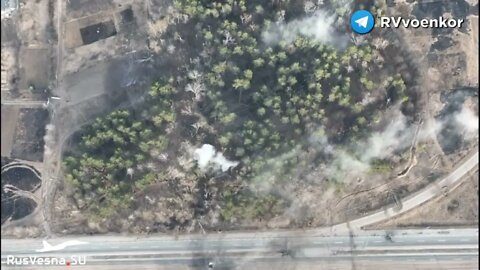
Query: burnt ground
[[79, 8], [31, 59], [127, 16], [29, 142], [459, 9], [96, 32], [16, 208]]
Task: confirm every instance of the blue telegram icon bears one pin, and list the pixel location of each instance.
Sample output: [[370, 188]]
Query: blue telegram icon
[[362, 21]]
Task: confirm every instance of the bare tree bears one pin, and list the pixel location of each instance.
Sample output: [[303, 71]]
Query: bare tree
[[228, 38], [196, 88]]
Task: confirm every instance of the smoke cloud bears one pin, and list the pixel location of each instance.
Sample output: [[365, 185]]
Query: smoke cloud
[[319, 26], [354, 160], [48, 139], [207, 157], [467, 120]]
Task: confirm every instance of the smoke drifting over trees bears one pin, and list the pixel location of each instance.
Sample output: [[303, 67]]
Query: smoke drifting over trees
[[279, 106], [207, 156], [318, 26]]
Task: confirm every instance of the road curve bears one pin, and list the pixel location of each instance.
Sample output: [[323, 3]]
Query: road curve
[[426, 194]]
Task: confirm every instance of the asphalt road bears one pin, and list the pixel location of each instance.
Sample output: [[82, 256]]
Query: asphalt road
[[236, 250], [25, 103]]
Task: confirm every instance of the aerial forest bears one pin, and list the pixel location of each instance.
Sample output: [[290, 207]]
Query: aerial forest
[[252, 85]]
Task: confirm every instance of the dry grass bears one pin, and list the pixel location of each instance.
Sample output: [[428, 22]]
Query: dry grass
[[457, 208]]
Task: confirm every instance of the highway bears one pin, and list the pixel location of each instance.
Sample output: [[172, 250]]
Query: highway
[[238, 249]]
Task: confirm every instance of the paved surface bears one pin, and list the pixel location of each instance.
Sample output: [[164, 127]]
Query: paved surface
[[308, 265], [236, 250], [25, 103], [311, 265]]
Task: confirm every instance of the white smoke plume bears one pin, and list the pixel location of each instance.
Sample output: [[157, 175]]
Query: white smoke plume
[[207, 157], [48, 139], [347, 163], [397, 136], [467, 120], [356, 159], [341, 162], [319, 26]]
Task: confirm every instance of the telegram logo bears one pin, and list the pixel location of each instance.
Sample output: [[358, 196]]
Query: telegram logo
[[362, 22]]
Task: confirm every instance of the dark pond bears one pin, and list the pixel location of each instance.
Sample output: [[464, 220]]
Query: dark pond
[[17, 208]]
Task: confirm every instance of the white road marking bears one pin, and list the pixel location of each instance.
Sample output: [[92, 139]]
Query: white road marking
[[441, 240], [339, 242], [378, 241], [464, 240]]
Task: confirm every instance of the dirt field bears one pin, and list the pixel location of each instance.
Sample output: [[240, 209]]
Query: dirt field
[[9, 122], [27, 60], [34, 22], [457, 208], [9, 69], [73, 37], [130, 36], [33, 67]]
